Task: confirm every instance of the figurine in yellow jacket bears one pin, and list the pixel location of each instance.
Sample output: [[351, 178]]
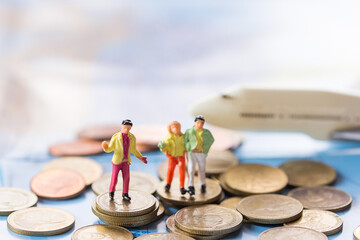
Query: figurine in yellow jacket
[[174, 148]]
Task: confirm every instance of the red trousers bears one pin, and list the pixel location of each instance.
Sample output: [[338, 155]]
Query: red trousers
[[124, 167], [173, 161]]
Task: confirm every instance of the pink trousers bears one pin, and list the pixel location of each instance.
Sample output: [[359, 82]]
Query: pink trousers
[[124, 167]]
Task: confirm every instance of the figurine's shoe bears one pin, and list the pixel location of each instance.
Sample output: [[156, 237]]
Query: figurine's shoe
[[167, 187], [183, 191], [126, 197], [111, 195], [191, 190], [203, 188]]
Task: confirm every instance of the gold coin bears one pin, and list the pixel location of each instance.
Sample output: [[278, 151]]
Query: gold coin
[[220, 161], [101, 231], [209, 219], [127, 219], [226, 187], [306, 173], [357, 233], [212, 194], [40, 221], [231, 202], [322, 197], [326, 222], [138, 181], [13, 199], [293, 233], [270, 208], [164, 236], [160, 212], [87, 167], [171, 227], [255, 179], [140, 204]]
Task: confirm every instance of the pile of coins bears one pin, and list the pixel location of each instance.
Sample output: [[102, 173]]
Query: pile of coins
[[141, 210], [205, 222]]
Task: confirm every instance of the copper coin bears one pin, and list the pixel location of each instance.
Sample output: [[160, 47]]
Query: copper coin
[[225, 139], [58, 184], [99, 132], [76, 148], [149, 135]]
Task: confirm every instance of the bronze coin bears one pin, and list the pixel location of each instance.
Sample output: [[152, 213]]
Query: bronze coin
[[323, 198], [76, 148], [58, 184], [99, 132]]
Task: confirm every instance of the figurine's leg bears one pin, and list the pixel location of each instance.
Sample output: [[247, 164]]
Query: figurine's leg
[[126, 180], [170, 171], [114, 178], [191, 170], [201, 159], [182, 171]]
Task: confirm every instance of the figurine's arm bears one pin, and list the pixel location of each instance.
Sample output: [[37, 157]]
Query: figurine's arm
[[137, 153], [108, 147]]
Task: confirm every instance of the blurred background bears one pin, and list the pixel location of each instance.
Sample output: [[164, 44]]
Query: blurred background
[[68, 64]]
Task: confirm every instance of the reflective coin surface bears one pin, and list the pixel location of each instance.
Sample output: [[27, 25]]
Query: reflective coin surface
[[141, 203], [58, 184], [326, 222], [13, 199], [174, 197], [356, 233], [307, 173], [76, 148], [102, 232], [87, 167], [255, 179], [40, 221], [231, 202], [322, 197], [164, 236], [220, 161], [209, 219], [293, 233], [138, 181], [270, 208], [171, 227]]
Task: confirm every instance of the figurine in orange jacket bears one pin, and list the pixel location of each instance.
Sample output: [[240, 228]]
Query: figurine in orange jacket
[[122, 143], [174, 148]]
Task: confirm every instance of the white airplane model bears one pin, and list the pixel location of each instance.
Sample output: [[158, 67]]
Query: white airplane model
[[320, 114]]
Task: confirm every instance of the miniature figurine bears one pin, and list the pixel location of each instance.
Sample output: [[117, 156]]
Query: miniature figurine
[[173, 147], [122, 143], [197, 144]]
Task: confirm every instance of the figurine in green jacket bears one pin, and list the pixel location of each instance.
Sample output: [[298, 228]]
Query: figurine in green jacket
[[197, 143]]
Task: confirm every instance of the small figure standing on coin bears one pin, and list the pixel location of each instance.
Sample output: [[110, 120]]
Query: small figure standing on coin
[[198, 141], [173, 147], [122, 143]]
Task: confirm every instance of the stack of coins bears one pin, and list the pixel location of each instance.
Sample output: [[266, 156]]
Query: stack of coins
[[175, 199], [143, 209], [139, 181], [205, 222], [247, 179]]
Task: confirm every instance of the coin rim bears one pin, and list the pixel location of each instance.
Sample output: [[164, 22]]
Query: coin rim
[[124, 230], [274, 229], [33, 203]]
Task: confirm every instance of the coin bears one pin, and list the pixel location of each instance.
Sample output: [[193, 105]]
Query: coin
[[231, 202], [322, 197], [213, 193], [255, 179], [101, 231], [138, 181], [171, 227], [57, 184], [149, 135], [270, 208], [40, 221], [141, 203], [306, 173], [99, 132], [164, 236], [127, 221], [357, 233], [226, 139], [208, 219], [225, 186], [326, 222], [293, 233], [220, 161], [13, 199], [76, 148], [87, 167]]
